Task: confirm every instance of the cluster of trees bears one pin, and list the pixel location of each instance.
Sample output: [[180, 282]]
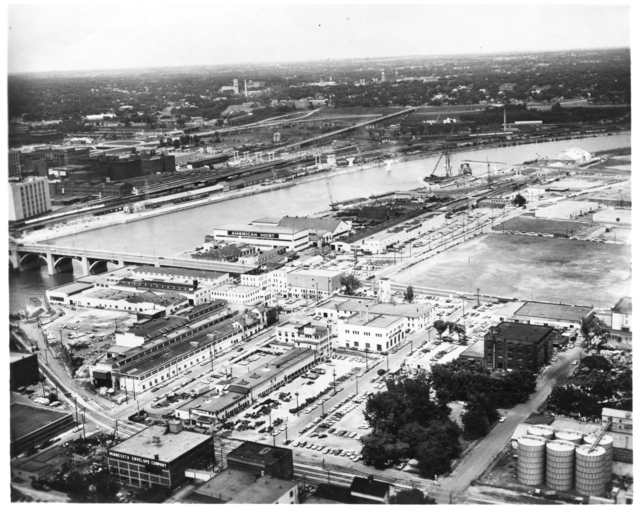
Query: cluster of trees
[[602, 75], [595, 333], [406, 423], [441, 326], [350, 283], [597, 384], [99, 487], [483, 392]]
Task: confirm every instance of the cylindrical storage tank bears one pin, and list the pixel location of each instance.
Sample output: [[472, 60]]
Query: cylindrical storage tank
[[607, 443], [560, 465], [531, 460], [542, 431], [569, 435], [591, 468]]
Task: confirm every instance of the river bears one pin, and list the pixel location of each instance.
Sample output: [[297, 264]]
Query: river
[[172, 233]]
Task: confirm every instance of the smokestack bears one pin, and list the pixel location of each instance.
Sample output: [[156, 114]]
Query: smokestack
[[245, 88], [367, 311], [505, 118]]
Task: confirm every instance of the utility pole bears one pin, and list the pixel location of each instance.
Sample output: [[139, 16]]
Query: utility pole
[[478, 296], [334, 381], [75, 401]]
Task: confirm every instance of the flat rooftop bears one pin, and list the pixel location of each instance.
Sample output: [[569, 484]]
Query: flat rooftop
[[160, 357], [375, 320], [566, 207], [562, 312], [476, 350], [111, 276], [17, 356], [317, 272], [170, 447], [234, 486], [26, 419], [521, 332], [72, 288], [261, 454], [248, 229], [179, 272]]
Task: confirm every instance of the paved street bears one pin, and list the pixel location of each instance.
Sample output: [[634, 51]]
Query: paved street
[[490, 446]]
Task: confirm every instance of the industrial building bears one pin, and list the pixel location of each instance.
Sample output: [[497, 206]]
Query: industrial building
[[158, 456], [238, 294], [566, 210], [28, 198], [322, 231], [262, 459], [559, 316], [294, 239], [40, 466], [378, 241], [515, 346], [314, 284], [236, 487], [32, 425], [574, 156], [613, 216], [235, 394], [23, 370], [162, 349], [621, 323]]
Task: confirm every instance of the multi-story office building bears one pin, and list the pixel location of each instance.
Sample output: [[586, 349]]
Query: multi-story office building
[[515, 346], [262, 459], [15, 168], [28, 198], [159, 456], [366, 331], [306, 334], [314, 284]]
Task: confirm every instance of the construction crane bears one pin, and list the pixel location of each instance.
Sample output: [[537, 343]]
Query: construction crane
[[604, 429], [488, 166], [446, 153], [326, 180]]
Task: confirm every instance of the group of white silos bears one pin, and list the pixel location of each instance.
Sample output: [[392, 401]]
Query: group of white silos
[[559, 459]]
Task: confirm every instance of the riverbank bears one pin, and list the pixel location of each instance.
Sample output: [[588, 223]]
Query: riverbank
[[92, 223]]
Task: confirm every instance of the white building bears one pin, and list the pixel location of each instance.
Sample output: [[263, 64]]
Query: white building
[[304, 333], [294, 239], [28, 198], [566, 210], [418, 317], [575, 156], [614, 216], [244, 295], [313, 284], [366, 331], [621, 323]]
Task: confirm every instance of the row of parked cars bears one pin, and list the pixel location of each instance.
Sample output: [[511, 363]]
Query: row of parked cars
[[351, 454]]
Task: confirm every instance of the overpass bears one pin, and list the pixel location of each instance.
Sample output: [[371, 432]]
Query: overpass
[[59, 259], [332, 135]]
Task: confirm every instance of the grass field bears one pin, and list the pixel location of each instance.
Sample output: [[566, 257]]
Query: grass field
[[526, 267]]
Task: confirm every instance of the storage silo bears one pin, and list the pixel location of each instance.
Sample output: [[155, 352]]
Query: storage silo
[[542, 431], [607, 443], [591, 468], [531, 460], [569, 435], [560, 465]]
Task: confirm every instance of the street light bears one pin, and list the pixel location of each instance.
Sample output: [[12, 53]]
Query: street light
[[297, 403]]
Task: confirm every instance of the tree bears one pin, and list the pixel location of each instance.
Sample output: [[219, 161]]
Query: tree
[[592, 328], [408, 295], [106, 488], [350, 283], [475, 423], [440, 326], [411, 497], [77, 487], [176, 144], [519, 201], [433, 459], [459, 330]]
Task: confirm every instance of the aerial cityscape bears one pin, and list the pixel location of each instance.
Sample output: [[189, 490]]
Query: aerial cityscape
[[320, 256]]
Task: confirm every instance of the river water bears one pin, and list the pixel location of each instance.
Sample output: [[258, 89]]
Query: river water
[[172, 233]]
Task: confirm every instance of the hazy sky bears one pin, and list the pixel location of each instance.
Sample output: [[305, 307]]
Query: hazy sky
[[134, 34]]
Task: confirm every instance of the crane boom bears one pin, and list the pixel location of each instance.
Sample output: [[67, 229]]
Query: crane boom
[[436, 167], [326, 180]]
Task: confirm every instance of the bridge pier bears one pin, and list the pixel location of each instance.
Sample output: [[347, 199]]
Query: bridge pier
[[14, 258], [51, 267], [86, 266]]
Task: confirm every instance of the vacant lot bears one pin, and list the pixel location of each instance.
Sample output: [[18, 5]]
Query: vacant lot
[[526, 267], [532, 225]]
